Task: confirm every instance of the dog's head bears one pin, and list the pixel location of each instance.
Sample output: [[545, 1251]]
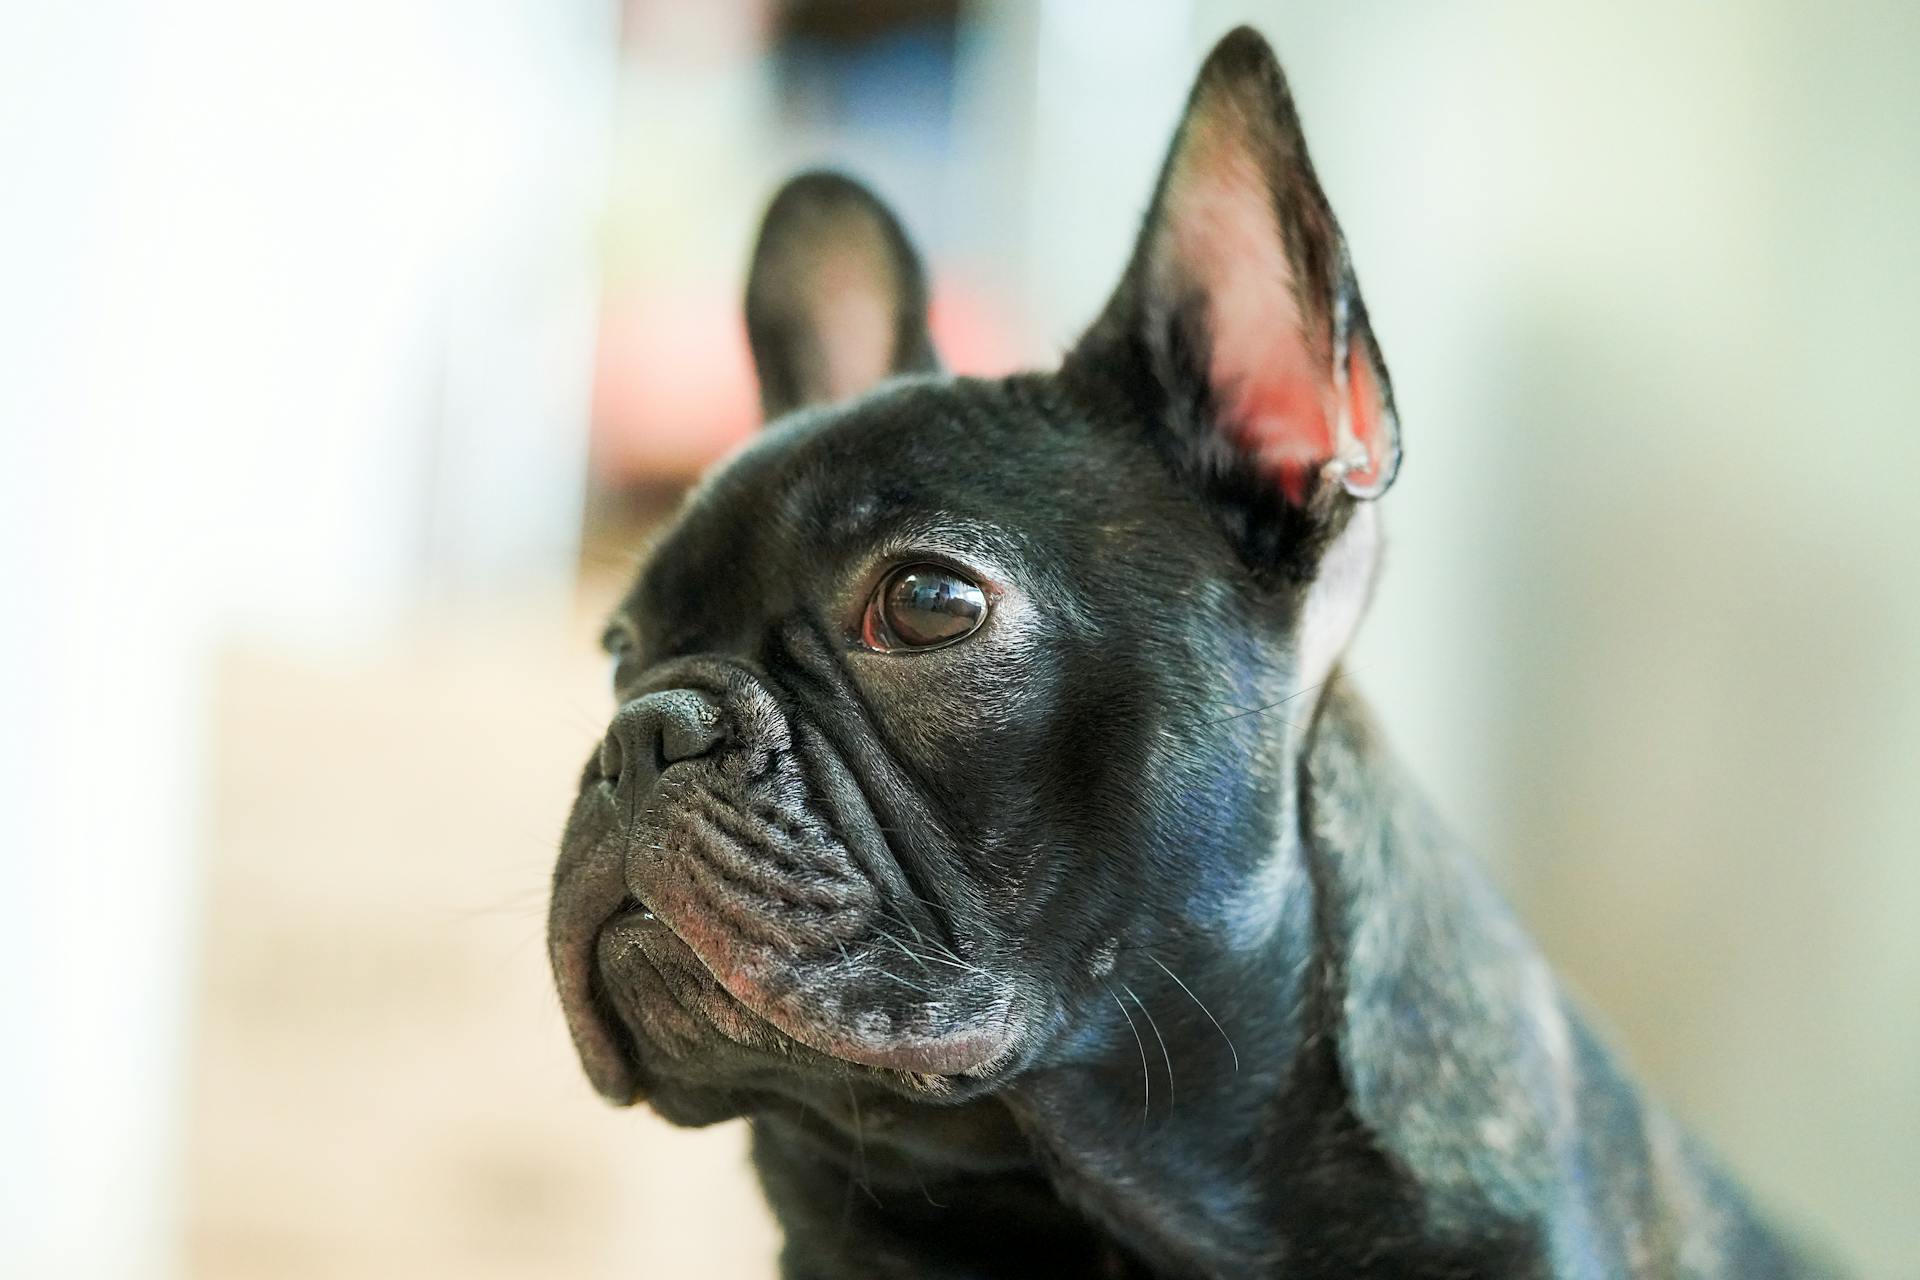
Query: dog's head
[[944, 696]]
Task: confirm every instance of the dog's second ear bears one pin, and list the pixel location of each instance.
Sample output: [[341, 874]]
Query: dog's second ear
[[836, 298], [1238, 323]]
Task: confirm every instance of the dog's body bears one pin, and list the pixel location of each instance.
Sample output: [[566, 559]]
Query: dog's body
[[985, 819]]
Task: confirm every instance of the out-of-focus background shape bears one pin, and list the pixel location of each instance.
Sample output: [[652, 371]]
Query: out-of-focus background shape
[[347, 352]]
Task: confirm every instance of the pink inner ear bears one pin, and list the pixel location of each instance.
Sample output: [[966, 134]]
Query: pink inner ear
[[1271, 378], [1363, 420], [1282, 424]]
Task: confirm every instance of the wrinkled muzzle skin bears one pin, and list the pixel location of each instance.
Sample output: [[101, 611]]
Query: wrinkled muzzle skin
[[740, 913]]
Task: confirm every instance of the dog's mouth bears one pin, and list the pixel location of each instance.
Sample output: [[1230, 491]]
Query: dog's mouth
[[683, 989], [701, 972], [744, 911]]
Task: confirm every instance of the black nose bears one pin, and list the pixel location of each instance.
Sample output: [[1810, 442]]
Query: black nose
[[650, 733]]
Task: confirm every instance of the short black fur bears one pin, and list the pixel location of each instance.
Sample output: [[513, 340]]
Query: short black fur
[[1105, 941]]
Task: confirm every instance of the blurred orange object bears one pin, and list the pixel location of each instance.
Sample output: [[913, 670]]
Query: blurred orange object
[[674, 386]]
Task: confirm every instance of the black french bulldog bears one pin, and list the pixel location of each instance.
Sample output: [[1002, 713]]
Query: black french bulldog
[[983, 817]]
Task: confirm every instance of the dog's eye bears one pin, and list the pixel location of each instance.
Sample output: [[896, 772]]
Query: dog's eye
[[921, 606]]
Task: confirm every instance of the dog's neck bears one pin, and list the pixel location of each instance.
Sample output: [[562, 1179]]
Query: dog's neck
[[1428, 1104], [1415, 1076], [1415, 1087]]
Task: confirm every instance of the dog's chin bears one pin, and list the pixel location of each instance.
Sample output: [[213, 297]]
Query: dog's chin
[[687, 1021]]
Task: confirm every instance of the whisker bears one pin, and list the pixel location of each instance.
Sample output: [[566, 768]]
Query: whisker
[[905, 950], [938, 951], [1203, 1008], [1146, 1080], [1157, 1036], [521, 902], [1271, 706], [922, 962]]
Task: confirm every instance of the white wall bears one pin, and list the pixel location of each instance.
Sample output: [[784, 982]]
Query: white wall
[[295, 328]]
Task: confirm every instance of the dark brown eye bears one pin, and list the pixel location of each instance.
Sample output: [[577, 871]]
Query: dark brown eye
[[921, 606]]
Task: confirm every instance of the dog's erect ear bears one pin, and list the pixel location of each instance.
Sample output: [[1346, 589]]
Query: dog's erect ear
[[1239, 321], [836, 298]]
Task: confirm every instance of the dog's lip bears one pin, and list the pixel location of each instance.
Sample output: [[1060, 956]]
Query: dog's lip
[[599, 1037], [972, 1050]]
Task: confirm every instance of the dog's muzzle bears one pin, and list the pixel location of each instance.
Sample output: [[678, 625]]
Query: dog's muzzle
[[715, 815], [647, 737]]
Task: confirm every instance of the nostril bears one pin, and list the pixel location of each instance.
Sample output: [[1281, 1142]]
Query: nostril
[[658, 730], [612, 758], [689, 727]]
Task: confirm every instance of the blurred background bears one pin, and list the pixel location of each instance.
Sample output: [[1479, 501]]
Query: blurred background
[[347, 352]]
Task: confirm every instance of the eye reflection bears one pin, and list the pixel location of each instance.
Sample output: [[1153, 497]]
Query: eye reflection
[[922, 606]]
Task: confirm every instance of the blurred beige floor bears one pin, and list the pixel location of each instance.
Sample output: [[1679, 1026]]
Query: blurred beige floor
[[382, 1085]]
